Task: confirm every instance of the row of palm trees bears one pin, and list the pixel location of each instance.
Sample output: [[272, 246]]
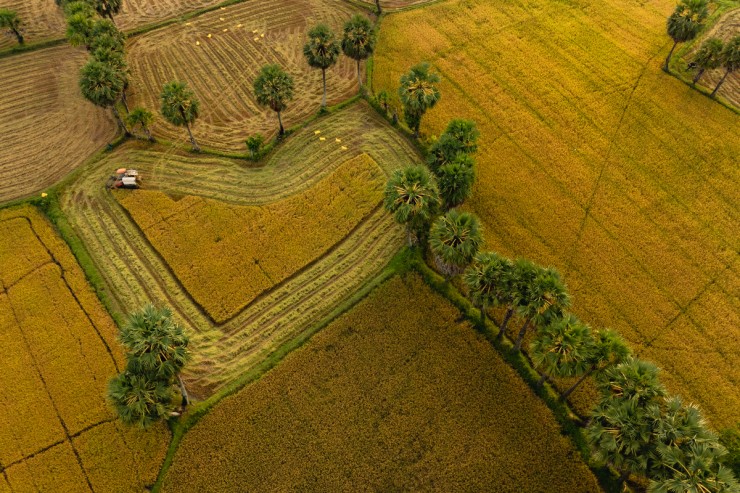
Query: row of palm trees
[[685, 24]]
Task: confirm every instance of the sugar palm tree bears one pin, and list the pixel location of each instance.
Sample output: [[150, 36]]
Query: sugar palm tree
[[632, 380], [456, 180], [274, 88], [103, 86], [523, 272], [562, 348], [358, 41], [708, 57], [460, 137], [156, 346], [418, 93], [730, 60], [541, 299], [104, 34], [685, 23], [116, 61], [411, 196], [454, 241], [143, 118], [488, 282], [321, 51], [180, 107], [139, 400], [608, 349], [107, 8], [9, 20]]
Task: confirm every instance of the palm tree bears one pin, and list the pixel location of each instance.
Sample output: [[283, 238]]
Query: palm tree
[[730, 60], [685, 23], [454, 241], [9, 20], [465, 133], [142, 117], [358, 41], [541, 299], [79, 27], [139, 400], [116, 61], [104, 34], [521, 274], [456, 180], [487, 281], [708, 57], [102, 86], [460, 137], [180, 107], [156, 346], [274, 88], [418, 93], [411, 196], [621, 429], [321, 51], [608, 349], [562, 348], [106, 8]]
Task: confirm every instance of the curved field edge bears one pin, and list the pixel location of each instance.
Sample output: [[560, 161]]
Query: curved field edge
[[406, 261], [135, 275]]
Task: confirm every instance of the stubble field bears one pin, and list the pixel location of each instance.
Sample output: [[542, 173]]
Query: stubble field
[[47, 127], [395, 395], [594, 161], [219, 55], [56, 430]]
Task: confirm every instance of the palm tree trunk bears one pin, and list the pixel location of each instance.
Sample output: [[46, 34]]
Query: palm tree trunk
[[504, 323], [565, 394], [18, 35], [110, 16], [323, 76], [192, 139], [520, 337], [120, 121], [541, 381], [727, 72], [698, 76], [409, 235], [359, 79], [483, 316], [668, 58], [123, 100], [377, 4], [280, 121], [148, 133], [185, 398]]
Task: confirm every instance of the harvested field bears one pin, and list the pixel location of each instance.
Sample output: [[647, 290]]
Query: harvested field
[[44, 20], [390, 5], [226, 255], [727, 27], [60, 352], [136, 273], [48, 128], [221, 68], [395, 395], [594, 161]]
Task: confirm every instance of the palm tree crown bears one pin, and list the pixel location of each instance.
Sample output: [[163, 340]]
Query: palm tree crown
[[418, 93], [273, 87], [708, 57], [321, 51], [563, 347], [358, 40], [411, 196], [454, 240]]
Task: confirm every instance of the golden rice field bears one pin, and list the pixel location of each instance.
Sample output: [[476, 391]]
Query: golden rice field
[[395, 395], [595, 161], [725, 28], [390, 5], [219, 54], [43, 20], [59, 350], [136, 273], [226, 255], [48, 128]]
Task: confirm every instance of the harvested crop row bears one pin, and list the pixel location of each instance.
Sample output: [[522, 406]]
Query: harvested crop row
[[48, 128], [397, 394], [634, 173], [136, 273], [43, 19], [219, 55], [61, 351], [396, 4], [226, 255]]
